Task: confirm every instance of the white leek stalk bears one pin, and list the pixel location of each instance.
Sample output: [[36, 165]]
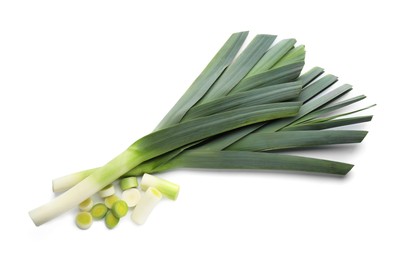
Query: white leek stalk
[[86, 188], [146, 205], [66, 182], [131, 197]]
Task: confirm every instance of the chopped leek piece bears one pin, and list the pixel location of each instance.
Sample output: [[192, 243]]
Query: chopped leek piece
[[120, 209], [83, 220], [98, 211], [168, 189], [107, 191], [86, 205], [110, 220], [146, 205], [109, 201], [131, 197], [127, 183]]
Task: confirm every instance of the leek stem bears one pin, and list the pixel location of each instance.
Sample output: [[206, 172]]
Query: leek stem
[[66, 182], [86, 188]]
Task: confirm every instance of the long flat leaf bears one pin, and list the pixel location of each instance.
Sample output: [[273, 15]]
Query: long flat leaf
[[240, 67], [266, 95], [271, 77], [317, 87], [256, 161], [224, 140], [324, 119], [296, 139], [329, 124], [274, 54], [306, 109], [179, 135], [330, 108], [310, 75], [205, 80]]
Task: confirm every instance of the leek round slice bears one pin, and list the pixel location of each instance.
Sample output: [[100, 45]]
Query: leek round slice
[[131, 197], [107, 191], [99, 211], [109, 201], [83, 220], [110, 220], [120, 209], [86, 205]]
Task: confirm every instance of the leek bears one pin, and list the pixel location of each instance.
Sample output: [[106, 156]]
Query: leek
[[83, 220], [99, 211], [146, 205], [131, 197], [167, 188], [236, 109]]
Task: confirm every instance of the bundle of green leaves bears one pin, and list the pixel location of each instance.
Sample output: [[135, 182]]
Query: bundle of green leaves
[[239, 113]]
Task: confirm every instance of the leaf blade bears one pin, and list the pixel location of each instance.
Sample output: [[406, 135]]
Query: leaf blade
[[282, 74], [179, 135], [274, 54], [329, 124], [205, 80], [240, 67], [271, 94], [296, 139], [255, 161]]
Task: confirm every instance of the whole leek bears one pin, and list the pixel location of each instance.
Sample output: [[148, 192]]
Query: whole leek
[[224, 118]]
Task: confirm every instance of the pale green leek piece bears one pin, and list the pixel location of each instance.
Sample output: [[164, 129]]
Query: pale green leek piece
[[110, 220], [86, 205], [131, 197], [119, 209], [238, 110], [83, 220], [146, 205], [110, 200], [128, 183], [99, 211], [107, 191]]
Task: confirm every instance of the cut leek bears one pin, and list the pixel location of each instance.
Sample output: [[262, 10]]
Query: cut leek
[[107, 191], [109, 201], [131, 197], [111, 221], [83, 220], [120, 209], [238, 108], [128, 183], [146, 205], [99, 211], [86, 205]]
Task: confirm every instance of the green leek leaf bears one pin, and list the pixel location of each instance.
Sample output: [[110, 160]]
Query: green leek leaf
[[273, 55], [240, 67], [256, 161], [296, 139], [205, 80]]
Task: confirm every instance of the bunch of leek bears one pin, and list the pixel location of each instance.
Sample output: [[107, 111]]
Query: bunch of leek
[[235, 115]]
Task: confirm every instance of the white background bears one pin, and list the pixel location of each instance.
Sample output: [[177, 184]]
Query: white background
[[82, 80]]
